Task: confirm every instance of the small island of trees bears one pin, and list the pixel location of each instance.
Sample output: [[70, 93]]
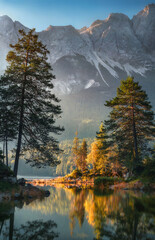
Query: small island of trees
[[123, 147]]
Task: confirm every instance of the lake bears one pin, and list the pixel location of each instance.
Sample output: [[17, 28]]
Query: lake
[[80, 214]]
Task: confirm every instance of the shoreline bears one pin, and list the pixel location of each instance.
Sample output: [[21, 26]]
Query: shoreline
[[16, 191], [93, 183], [31, 190], [64, 183]]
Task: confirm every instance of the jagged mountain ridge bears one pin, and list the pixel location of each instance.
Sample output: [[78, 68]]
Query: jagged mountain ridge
[[93, 56]]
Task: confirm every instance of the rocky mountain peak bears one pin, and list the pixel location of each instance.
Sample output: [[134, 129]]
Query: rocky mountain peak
[[149, 9], [6, 24], [5, 18], [82, 29], [59, 28], [93, 56], [144, 27], [147, 12], [97, 22], [117, 17], [49, 28]]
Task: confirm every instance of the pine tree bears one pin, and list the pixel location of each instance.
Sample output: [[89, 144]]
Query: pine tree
[[98, 154], [92, 157], [102, 132], [83, 155], [131, 123], [75, 150], [108, 164], [30, 75], [101, 140]]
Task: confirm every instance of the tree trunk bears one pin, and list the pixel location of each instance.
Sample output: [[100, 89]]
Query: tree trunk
[[3, 151], [6, 145], [2, 223], [135, 137], [19, 133], [135, 225], [21, 121], [11, 226], [135, 143]]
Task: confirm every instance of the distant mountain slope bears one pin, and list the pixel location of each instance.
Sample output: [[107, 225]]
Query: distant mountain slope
[[89, 63], [93, 56]]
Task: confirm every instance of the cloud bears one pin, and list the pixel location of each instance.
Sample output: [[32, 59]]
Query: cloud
[[87, 121]]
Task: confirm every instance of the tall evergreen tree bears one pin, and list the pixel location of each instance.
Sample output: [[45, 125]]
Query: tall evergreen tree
[[30, 75], [75, 150], [131, 122], [83, 155], [94, 156], [101, 138], [98, 155]]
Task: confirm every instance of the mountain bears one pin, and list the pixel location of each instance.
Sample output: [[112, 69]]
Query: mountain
[[96, 56], [144, 28], [90, 62]]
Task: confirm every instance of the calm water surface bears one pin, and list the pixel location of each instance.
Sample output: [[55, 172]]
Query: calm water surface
[[80, 214]]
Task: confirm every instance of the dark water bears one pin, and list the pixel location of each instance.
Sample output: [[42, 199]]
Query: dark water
[[80, 214]]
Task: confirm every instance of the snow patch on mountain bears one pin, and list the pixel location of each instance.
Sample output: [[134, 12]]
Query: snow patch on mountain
[[92, 83], [96, 60], [113, 63], [130, 69]]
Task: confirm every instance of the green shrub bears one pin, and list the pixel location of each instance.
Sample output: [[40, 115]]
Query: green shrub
[[6, 186], [5, 171], [104, 180]]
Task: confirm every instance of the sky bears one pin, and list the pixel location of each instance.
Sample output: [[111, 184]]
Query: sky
[[40, 14]]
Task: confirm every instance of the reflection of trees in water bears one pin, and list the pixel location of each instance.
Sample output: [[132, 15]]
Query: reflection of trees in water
[[99, 206], [6, 214], [121, 217], [114, 216], [32, 230], [77, 208], [35, 230], [58, 202], [134, 222]]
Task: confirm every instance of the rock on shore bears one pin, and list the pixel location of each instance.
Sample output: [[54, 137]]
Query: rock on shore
[[24, 192]]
